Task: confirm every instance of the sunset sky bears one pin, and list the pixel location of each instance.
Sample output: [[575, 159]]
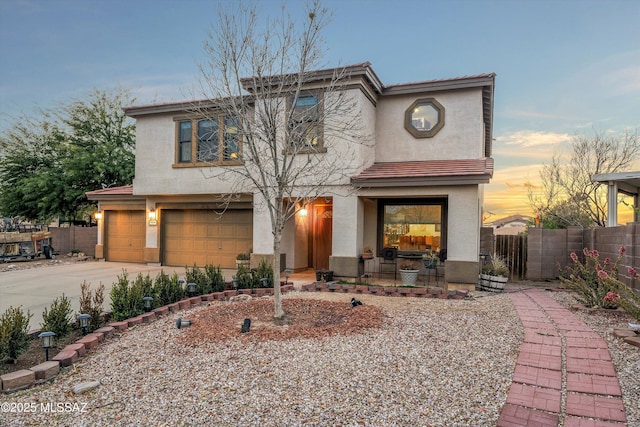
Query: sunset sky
[[563, 67]]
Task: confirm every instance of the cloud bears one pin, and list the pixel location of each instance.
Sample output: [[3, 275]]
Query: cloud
[[530, 138], [529, 145], [623, 81]]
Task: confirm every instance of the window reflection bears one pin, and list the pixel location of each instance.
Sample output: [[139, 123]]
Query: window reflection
[[415, 228]]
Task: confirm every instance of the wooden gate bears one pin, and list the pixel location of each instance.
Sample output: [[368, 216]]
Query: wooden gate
[[514, 250]]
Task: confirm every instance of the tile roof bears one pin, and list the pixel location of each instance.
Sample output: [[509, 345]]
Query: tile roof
[[426, 172], [125, 190]]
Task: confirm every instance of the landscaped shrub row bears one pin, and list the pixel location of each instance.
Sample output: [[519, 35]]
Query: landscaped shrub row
[[127, 297]]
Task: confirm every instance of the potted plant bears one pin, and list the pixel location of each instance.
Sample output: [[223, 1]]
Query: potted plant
[[243, 259], [409, 273], [430, 260], [367, 252], [494, 275]]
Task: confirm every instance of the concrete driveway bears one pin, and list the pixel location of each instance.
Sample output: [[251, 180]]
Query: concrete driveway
[[36, 288]]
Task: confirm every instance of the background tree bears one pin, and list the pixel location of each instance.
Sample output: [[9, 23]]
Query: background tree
[[49, 162], [256, 70], [568, 195]]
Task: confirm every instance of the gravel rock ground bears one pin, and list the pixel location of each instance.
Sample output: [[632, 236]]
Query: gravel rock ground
[[431, 363]]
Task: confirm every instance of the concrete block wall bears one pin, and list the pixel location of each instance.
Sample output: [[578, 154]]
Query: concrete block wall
[[548, 249], [83, 239]]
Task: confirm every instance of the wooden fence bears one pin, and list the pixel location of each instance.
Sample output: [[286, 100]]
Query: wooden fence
[[513, 249]]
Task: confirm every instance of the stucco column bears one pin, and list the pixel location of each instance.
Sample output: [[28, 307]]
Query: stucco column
[[262, 235], [348, 229], [152, 233], [463, 239]]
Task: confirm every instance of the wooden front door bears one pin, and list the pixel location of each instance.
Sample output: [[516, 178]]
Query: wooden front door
[[322, 230]]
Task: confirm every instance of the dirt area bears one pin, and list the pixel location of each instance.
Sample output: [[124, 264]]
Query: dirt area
[[305, 318], [35, 354], [43, 262]]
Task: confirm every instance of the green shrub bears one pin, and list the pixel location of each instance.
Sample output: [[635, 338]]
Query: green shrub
[[244, 278], [120, 298], [57, 318], [14, 332], [91, 303], [197, 276], [127, 298], [166, 290], [264, 270], [216, 278]]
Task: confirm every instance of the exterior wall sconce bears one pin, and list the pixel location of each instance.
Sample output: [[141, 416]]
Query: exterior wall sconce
[[84, 322], [152, 217], [45, 341], [98, 215], [303, 211], [147, 303]]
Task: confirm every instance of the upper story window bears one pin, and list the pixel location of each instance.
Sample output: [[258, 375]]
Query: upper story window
[[424, 118], [305, 123], [203, 142]]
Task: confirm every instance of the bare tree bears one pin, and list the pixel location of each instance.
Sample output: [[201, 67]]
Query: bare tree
[[291, 147], [568, 193]]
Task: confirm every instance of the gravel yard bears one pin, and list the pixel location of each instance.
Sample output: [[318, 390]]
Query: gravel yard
[[432, 362]]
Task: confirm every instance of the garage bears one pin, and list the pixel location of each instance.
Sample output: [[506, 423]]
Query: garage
[[124, 236], [202, 236]]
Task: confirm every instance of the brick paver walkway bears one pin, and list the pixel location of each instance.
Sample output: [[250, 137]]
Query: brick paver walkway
[[564, 375]]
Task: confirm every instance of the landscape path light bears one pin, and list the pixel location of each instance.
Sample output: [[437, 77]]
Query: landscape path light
[[46, 342], [191, 289], [265, 282], [84, 322], [287, 273], [181, 323], [147, 303]]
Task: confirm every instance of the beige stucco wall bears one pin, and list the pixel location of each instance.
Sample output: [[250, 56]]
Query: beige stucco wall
[[347, 153], [463, 221], [461, 137]]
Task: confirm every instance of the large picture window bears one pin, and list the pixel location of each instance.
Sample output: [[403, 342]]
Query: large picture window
[[415, 226], [217, 140]]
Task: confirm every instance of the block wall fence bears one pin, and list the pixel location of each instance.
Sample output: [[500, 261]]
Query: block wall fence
[[549, 249], [83, 239]]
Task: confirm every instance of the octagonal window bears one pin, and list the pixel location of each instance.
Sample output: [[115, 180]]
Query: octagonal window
[[424, 118]]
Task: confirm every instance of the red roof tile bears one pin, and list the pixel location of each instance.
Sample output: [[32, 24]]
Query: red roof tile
[[479, 169], [125, 190]]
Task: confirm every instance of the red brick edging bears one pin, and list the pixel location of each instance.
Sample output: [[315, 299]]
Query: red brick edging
[[46, 371], [392, 291]]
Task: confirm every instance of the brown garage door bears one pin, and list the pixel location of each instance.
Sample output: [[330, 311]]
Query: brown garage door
[[204, 237], [124, 236]]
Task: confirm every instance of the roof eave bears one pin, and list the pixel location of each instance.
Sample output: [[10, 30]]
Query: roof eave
[[422, 181]]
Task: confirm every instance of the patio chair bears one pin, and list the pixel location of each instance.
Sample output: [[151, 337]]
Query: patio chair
[[389, 260]]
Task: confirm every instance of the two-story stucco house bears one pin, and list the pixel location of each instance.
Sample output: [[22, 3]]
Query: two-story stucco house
[[417, 187]]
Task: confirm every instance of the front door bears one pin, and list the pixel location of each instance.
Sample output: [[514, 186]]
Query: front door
[[322, 229]]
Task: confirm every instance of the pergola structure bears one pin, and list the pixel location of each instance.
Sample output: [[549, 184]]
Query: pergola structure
[[627, 183]]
